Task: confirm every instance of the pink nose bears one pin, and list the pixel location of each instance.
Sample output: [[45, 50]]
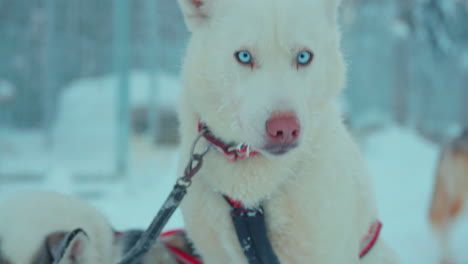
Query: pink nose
[[283, 128]]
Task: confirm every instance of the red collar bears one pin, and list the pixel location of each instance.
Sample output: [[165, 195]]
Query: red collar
[[232, 152]]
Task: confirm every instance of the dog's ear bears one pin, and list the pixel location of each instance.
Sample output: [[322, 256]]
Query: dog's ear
[[196, 12], [68, 248]]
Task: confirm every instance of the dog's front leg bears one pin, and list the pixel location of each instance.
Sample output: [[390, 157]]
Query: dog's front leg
[[209, 226]]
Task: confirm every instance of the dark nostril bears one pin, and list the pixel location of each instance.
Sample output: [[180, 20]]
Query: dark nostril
[[295, 133]]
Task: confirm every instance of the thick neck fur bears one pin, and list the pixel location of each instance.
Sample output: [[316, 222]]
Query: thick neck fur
[[254, 179]]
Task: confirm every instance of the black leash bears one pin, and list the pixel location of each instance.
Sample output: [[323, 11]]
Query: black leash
[[252, 235], [249, 223], [149, 237]]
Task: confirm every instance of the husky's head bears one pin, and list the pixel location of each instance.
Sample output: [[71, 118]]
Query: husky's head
[[262, 72]]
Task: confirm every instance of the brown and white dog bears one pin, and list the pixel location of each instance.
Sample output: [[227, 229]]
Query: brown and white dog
[[49, 228], [450, 191], [265, 75]]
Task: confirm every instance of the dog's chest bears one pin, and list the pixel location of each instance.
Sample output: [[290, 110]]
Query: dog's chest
[[302, 231], [307, 220]]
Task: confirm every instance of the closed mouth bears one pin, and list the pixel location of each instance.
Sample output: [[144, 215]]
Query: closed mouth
[[278, 149], [231, 150]]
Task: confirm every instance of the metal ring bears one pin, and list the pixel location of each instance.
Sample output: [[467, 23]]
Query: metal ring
[[184, 182], [195, 142], [207, 149]]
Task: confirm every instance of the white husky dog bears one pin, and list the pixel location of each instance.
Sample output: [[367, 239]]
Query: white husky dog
[[43, 227], [264, 75]]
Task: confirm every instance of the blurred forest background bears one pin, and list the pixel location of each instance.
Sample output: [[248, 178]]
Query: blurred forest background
[[88, 94], [408, 64]]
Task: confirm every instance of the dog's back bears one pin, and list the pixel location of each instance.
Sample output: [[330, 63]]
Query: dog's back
[[45, 227], [35, 225], [451, 189]]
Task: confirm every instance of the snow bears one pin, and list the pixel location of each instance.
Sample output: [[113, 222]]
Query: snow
[[401, 162], [84, 133], [403, 167]]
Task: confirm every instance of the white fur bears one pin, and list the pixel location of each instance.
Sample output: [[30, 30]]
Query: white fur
[[318, 198], [27, 218]]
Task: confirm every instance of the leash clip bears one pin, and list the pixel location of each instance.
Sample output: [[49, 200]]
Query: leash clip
[[149, 237], [196, 161]]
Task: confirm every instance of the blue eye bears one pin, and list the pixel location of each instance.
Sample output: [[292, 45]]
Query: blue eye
[[304, 58], [244, 57]]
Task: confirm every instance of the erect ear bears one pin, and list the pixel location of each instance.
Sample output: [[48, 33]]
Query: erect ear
[[68, 248], [196, 12]]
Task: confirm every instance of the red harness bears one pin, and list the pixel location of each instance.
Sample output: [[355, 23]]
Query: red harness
[[367, 243], [235, 152], [184, 258], [181, 256]]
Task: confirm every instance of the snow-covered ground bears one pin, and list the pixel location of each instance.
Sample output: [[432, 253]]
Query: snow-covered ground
[[84, 135], [403, 166], [401, 162]]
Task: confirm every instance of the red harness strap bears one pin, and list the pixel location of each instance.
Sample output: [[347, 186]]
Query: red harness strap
[[234, 152], [181, 256], [367, 243], [234, 203]]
